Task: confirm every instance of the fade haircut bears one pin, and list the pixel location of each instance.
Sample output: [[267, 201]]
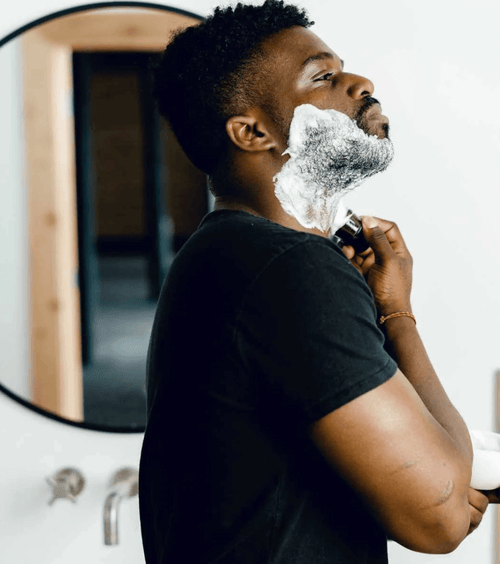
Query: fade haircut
[[210, 72]]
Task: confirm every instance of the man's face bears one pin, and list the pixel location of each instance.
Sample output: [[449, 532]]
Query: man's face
[[306, 71]]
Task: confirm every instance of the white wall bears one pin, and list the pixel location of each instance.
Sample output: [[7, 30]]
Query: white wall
[[14, 260], [434, 65], [33, 449]]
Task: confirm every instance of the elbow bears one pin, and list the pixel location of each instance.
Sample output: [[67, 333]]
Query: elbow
[[444, 539], [450, 523], [439, 529], [438, 538]]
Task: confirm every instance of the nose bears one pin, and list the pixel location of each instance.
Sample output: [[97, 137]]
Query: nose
[[358, 86]]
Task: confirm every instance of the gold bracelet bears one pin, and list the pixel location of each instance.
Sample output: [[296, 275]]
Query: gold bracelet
[[397, 314]]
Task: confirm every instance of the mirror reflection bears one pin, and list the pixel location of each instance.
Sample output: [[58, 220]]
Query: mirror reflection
[[108, 198]]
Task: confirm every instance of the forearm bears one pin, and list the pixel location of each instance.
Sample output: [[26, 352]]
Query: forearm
[[405, 346]]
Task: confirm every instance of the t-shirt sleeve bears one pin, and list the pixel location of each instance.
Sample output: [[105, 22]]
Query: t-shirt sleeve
[[308, 330]]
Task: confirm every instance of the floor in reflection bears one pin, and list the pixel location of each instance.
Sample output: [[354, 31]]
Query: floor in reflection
[[114, 384]]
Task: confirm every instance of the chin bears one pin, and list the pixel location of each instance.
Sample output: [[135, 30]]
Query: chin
[[381, 131]]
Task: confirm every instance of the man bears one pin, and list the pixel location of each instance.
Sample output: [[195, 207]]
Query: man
[[286, 424]]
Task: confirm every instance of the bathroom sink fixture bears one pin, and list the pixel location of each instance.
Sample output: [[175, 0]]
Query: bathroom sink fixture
[[125, 483], [67, 483]]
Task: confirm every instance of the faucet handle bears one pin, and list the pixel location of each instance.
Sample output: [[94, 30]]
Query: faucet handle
[[67, 483], [125, 481]]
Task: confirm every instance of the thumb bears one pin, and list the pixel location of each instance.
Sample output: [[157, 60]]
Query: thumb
[[375, 237]]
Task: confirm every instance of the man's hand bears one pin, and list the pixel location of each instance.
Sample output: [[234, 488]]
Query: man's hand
[[492, 495], [478, 503], [386, 265]]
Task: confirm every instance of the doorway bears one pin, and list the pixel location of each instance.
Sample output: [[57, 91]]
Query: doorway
[[56, 383], [125, 237]]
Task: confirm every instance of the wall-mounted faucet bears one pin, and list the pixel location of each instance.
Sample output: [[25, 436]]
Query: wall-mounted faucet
[[67, 483], [125, 483]]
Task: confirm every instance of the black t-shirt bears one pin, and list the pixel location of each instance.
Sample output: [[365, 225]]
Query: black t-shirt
[[260, 330]]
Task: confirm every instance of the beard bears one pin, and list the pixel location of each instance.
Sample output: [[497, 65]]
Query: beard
[[329, 156]]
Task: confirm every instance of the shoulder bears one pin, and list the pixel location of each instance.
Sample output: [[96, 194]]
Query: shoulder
[[309, 280], [314, 265], [246, 236]]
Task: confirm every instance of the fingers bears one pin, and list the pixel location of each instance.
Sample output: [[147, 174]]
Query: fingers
[[385, 242], [392, 233], [478, 500], [363, 262], [366, 263], [354, 259], [376, 238], [478, 503], [492, 495], [348, 251], [475, 520]]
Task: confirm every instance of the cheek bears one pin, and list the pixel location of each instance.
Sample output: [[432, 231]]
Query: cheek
[[329, 100], [281, 129]]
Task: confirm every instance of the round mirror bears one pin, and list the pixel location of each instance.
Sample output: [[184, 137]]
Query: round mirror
[[96, 200]]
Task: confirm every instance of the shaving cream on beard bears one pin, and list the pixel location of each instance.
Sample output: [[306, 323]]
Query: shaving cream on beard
[[329, 156]]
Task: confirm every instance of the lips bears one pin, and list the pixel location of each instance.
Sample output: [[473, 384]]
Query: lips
[[375, 112]]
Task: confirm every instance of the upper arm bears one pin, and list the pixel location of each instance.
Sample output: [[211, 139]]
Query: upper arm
[[307, 330], [390, 449]]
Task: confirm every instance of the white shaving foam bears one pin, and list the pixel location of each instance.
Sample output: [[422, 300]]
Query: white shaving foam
[[340, 218], [329, 156]]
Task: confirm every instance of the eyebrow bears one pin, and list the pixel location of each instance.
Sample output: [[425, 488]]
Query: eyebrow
[[320, 57]]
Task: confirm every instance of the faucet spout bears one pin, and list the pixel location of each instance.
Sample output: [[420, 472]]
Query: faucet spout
[[111, 518], [125, 483]]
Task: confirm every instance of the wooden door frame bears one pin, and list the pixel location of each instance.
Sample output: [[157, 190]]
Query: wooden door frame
[[50, 177]]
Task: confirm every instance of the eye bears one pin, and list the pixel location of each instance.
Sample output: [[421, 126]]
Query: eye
[[324, 77]]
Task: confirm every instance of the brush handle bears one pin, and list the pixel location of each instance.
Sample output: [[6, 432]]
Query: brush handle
[[351, 233]]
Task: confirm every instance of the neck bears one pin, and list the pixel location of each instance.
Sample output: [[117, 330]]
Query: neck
[[258, 208], [249, 187]]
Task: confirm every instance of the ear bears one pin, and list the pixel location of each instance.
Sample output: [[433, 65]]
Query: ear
[[249, 133]]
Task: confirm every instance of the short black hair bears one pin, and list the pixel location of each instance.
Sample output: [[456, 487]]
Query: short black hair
[[210, 72]]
